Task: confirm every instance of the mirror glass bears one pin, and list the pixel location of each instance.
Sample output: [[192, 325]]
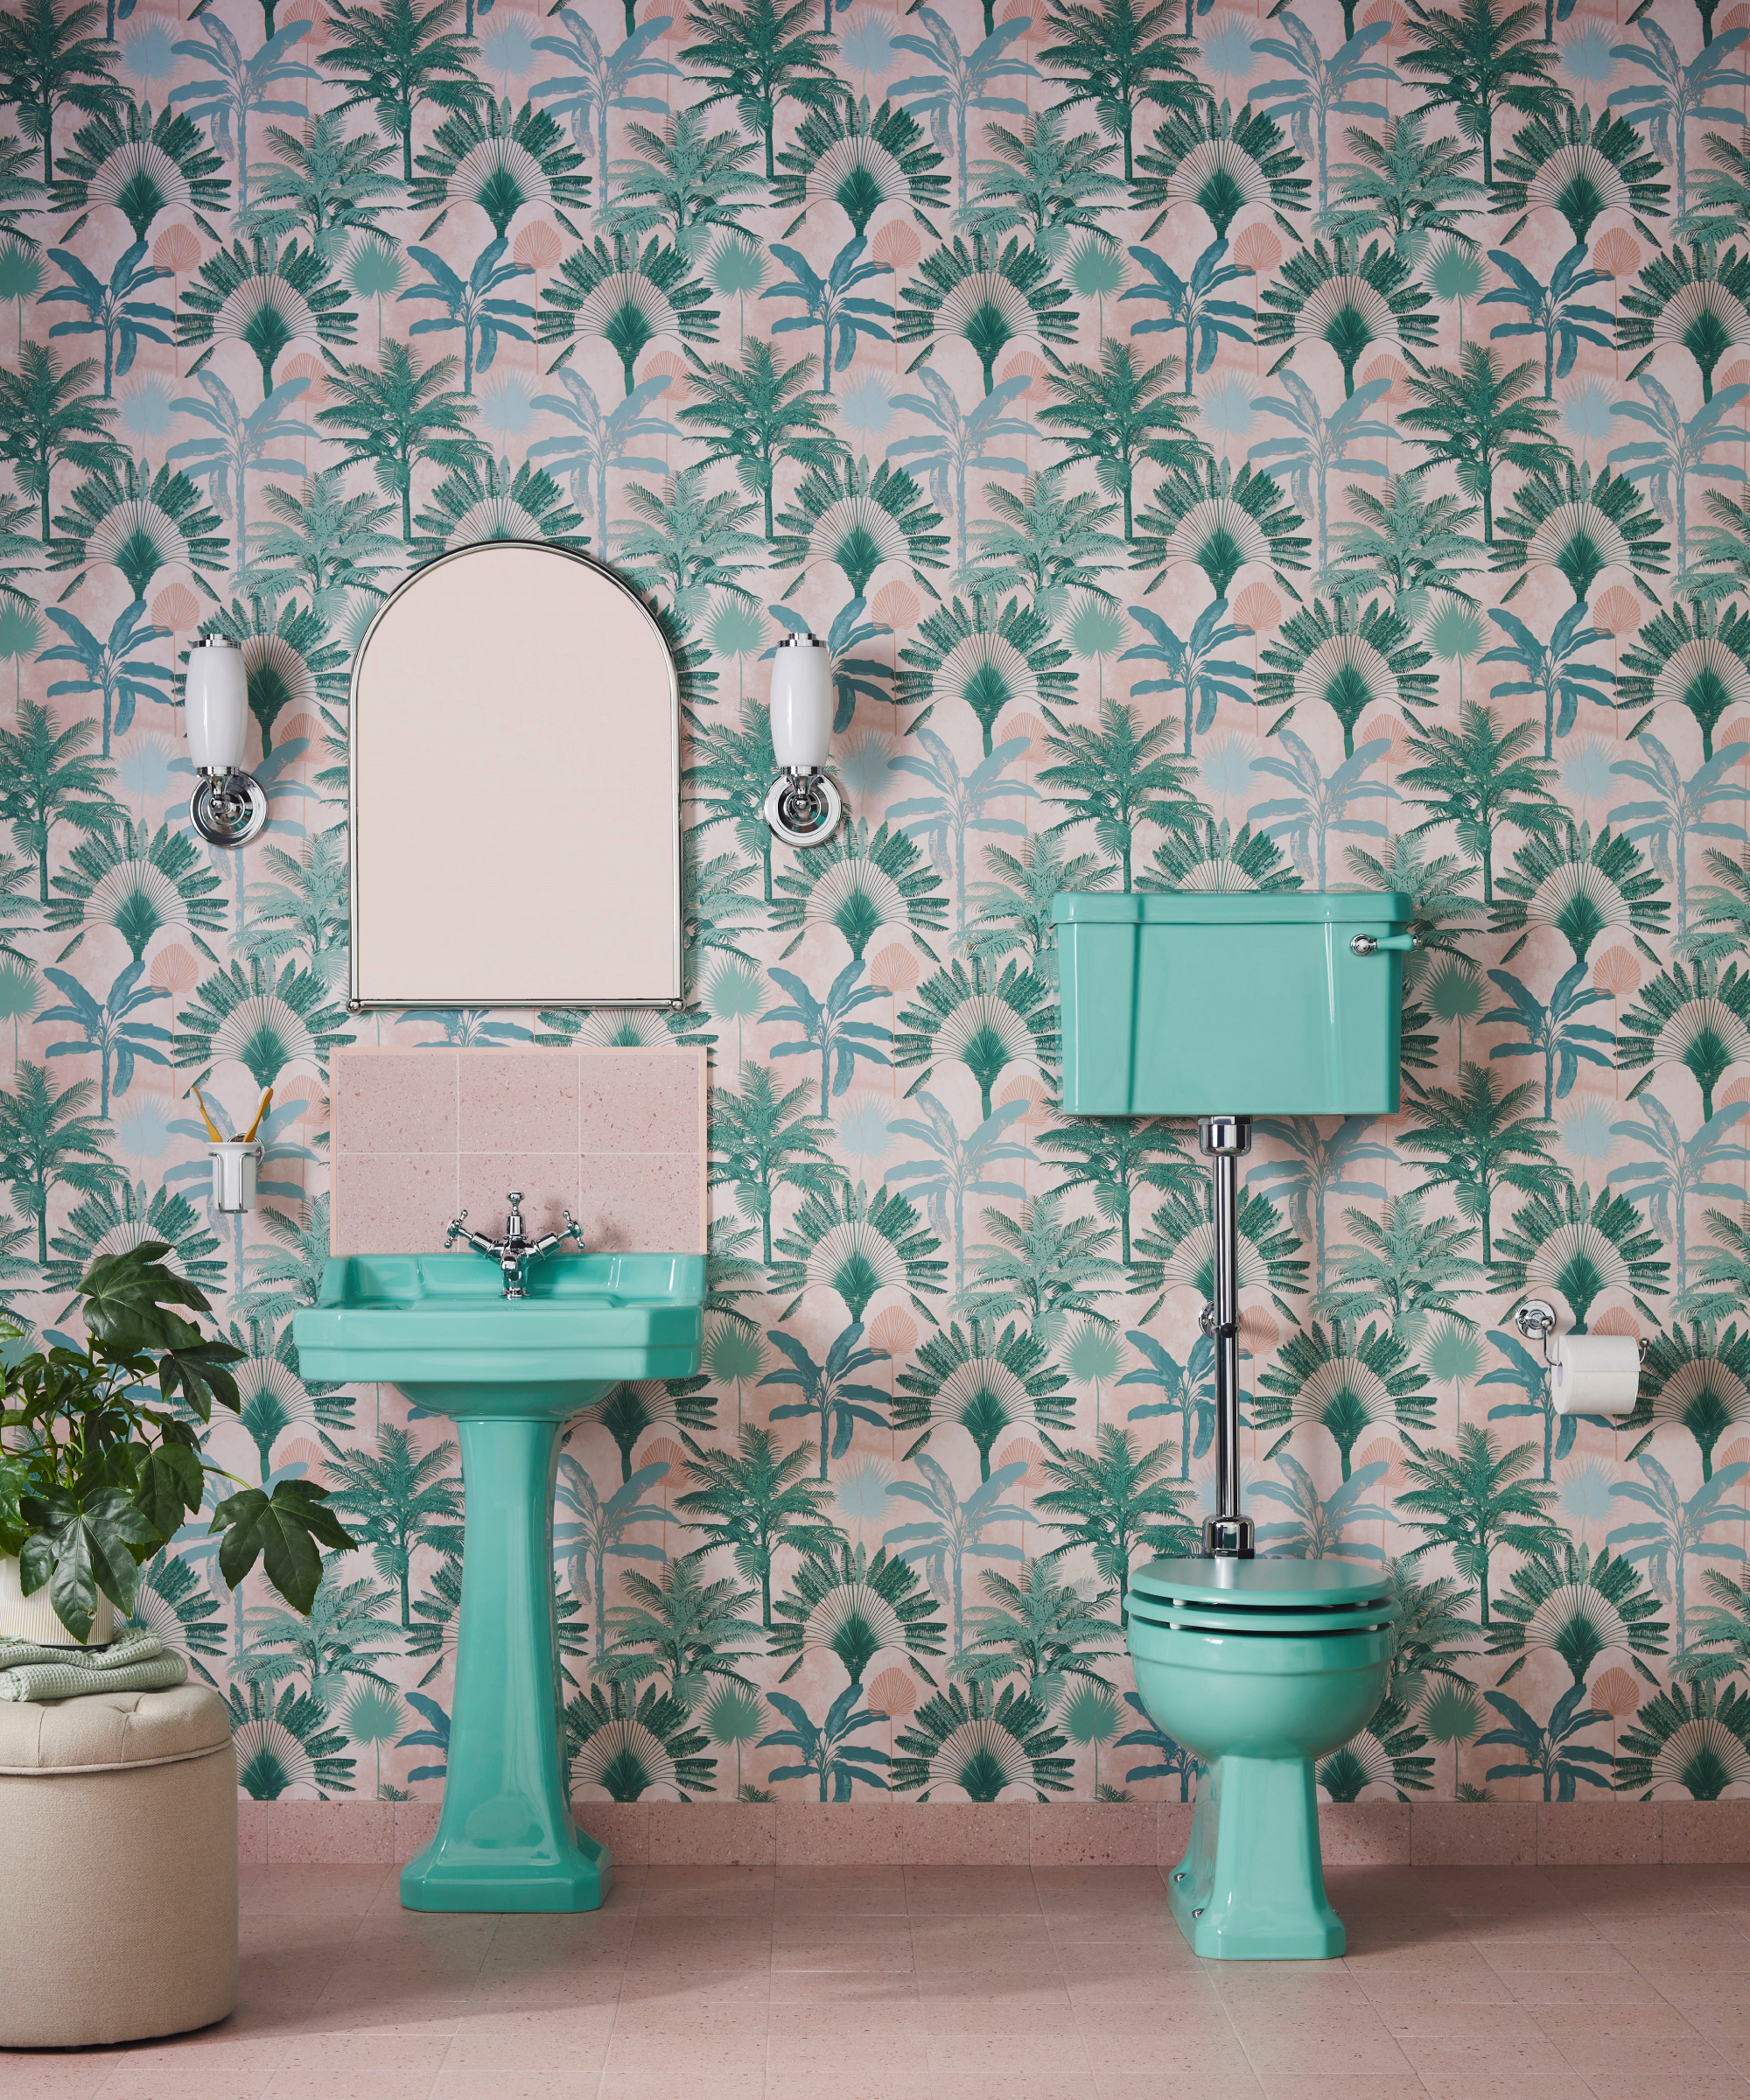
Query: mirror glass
[[515, 789]]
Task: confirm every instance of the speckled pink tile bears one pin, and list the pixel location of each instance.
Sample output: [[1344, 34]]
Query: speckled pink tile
[[831, 1834], [642, 1101], [1697, 1832], [1172, 1830], [331, 1833], [1599, 1833], [716, 1833], [962, 1834], [1474, 1833], [392, 1202], [252, 1831], [548, 1182], [1091, 1833], [623, 1827], [1364, 1833], [518, 1100], [644, 1202], [394, 1101], [415, 1825]]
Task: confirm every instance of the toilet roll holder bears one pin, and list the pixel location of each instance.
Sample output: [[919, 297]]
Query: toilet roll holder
[[1536, 1320]]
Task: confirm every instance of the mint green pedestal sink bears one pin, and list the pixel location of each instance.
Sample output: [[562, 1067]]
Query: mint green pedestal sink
[[509, 1372]]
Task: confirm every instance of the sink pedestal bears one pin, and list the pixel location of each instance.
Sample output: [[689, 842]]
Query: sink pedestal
[[506, 1840], [510, 1373]]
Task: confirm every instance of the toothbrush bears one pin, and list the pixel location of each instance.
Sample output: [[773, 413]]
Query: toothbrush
[[211, 1131], [267, 1102]]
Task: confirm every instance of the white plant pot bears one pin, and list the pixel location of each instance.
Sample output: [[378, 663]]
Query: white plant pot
[[33, 1618]]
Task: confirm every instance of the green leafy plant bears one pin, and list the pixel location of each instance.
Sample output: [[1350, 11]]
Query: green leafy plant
[[98, 1472]]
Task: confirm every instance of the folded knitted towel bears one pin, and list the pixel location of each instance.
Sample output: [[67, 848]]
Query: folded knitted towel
[[136, 1661]]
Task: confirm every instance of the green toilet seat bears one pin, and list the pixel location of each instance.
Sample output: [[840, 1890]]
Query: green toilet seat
[[1260, 1666]]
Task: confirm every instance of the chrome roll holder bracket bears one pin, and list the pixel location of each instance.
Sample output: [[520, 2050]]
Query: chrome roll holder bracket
[[1536, 1320]]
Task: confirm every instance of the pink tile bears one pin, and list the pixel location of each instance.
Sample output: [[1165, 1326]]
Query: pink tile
[[392, 1202], [518, 1100], [1172, 1830], [643, 1202], [337, 1892], [1599, 1833], [1364, 1833], [1092, 1834], [252, 1831], [831, 1834], [852, 1895], [623, 1827], [548, 1182], [415, 1825], [712, 1833], [956, 1834], [642, 1101], [1694, 1833], [1474, 1833], [393, 1101], [332, 1833], [962, 1903]]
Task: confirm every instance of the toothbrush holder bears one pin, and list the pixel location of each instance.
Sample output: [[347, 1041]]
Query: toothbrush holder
[[236, 1162]]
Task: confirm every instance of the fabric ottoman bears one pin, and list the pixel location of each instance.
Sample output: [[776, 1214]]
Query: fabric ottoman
[[118, 1867]]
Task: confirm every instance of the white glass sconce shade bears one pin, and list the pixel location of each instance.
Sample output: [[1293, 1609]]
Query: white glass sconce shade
[[227, 808], [801, 702], [802, 807], [217, 702]]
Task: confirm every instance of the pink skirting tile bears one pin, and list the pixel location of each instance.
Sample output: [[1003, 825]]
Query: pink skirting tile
[[956, 1834], [331, 1833], [832, 1834], [1092, 1834], [252, 1832], [1703, 1832], [1474, 1833], [623, 1827], [1172, 1830], [1364, 1833], [713, 1833], [415, 1825], [1599, 1833]]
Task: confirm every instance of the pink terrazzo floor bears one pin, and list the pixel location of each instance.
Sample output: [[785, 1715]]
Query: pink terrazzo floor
[[963, 1984]]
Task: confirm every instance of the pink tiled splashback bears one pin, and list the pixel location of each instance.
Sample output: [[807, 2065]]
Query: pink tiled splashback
[[618, 1136]]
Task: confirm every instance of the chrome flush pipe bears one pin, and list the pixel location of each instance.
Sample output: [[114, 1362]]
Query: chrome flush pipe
[[1225, 1139]]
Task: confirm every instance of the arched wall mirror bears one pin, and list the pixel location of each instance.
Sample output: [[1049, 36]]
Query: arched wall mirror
[[515, 789]]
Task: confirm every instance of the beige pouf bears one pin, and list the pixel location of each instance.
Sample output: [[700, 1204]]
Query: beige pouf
[[118, 1867]]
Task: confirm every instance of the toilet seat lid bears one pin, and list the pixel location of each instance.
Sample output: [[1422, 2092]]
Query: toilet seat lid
[[1274, 1585]]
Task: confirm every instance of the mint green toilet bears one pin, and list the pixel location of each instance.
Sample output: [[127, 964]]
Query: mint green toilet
[[1224, 1007]]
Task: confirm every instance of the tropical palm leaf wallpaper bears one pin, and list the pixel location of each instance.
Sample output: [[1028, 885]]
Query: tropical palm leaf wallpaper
[[1224, 450]]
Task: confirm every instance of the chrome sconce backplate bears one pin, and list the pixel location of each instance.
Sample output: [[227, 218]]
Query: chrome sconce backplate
[[229, 809], [802, 807]]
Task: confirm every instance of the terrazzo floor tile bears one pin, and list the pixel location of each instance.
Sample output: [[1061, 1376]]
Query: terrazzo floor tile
[[960, 1984]]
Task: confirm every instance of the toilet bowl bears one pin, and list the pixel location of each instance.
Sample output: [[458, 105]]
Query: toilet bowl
[[1258, 1667]]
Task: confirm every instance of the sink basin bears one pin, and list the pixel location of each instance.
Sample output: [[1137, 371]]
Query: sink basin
[[437, 1325], [509, 1372]]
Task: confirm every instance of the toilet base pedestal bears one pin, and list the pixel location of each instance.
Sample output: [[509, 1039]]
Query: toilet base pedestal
[[1251, 1886]]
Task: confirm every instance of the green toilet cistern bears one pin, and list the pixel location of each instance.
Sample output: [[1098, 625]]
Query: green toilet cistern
[[1192, 1005]]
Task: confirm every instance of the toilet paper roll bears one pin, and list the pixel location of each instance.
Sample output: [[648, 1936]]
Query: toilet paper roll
[[1594, 1374]]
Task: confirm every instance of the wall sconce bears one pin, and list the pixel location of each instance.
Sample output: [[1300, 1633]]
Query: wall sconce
[[229, 808], [802, 807]]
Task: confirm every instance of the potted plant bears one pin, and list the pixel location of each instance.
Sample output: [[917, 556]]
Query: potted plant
[[99, 1468]]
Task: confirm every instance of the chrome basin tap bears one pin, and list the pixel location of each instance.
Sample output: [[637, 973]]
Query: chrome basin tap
[[516, 1250]]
